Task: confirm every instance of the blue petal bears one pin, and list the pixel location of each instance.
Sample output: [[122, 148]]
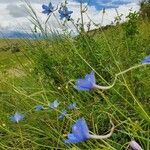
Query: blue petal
[[39, 107], [54, 104], [12, 119], [61, 117], [65, 9], [16, 117], [72, 139], [81, 88], [62, 114], [65, 13], [45, 7], [80, 130], [91, 77], [69, 12], [45, 12], [146, 60], [61, 16], [50, 6], [84, 83], [72, 106], [87, 83]]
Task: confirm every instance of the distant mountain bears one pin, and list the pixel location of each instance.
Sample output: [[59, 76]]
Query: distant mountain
[[17, 34]]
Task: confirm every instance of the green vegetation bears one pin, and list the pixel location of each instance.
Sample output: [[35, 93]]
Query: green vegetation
[[145, 9], [46, 70]]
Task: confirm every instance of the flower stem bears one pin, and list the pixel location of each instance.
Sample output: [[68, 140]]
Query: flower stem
[[118, 74], [131, 68], [105, 87], [104, 136]]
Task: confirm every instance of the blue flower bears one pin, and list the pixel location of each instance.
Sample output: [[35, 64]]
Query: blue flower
[[134, 145], [62, 114], [72, 106], [86, 84], [54, 104], [17, 117], [65, 13], [146, 60], [47, 9], [39, 107], [80, 132]]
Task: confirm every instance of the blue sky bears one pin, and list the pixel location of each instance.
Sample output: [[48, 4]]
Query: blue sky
[[14, 18], [100, 4]]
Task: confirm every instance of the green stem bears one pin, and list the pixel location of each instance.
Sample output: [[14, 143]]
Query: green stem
[[82, 19], [118, 74], [101, 137]]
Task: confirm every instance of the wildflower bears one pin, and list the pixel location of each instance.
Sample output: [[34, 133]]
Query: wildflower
[[47, 9], [54, 104], [65, 13], [72, 106], [62, 114], [39, 107], [87, 83], [146, 60], [17, 117], [80, 132], [134, 145]]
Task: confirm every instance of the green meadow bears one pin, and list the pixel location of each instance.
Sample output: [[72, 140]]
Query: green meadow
[[42, 71]]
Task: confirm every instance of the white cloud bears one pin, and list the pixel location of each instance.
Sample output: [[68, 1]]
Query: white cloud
[[17, 11], [13, 17]]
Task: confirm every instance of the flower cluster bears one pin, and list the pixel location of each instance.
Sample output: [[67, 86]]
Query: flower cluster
[[17, 117], [63, 11]]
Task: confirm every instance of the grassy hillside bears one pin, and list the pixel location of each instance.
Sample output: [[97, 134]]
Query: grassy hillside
[[46, 70]]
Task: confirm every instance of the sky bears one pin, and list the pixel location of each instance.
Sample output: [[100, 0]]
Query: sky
[[14, 16]]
